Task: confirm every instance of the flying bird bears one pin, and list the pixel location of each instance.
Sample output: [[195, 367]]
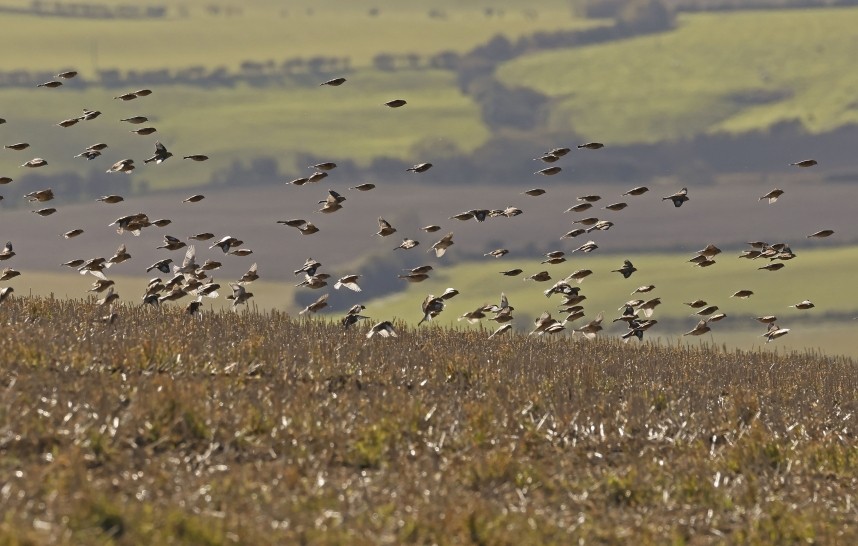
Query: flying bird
[[161, 154], [678, 198]]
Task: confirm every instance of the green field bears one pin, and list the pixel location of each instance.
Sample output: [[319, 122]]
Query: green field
[[676, 282], [717, 72]]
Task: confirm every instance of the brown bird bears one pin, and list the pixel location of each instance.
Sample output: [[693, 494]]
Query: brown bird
[[503, 328], [316, 176], [50, 84], [196, 157], [40, 195], [384, 228], [407, 244], [67, 75], [549, 171], [136, 120], [648, 307], [590, 198], [143, 92], [590, 329], [72, 233], [349, 281], [383, 329], [327, 166], [297, 222], [109, 298], [5, 179], [497, 253], [547, 158], [119, 256], [68, 122], [581, 207], [122, 166], [579, 275], [773, 267], [45, 212], [395, 103], [420, 168], [5, 292], [144, 131], [644, 289], [640, 190], [162, 222], [805, 163], [806, 304], [431, 307], [773, 195], [316, 306], [363, 187], [678, 198], [194, 198], [431, 228], [110, 199], [335, 82], [586, 221], [239, 294], [821, 234], [35, 162], [126, 97], [414, 277], [591, 146], [535, 192], [542, 276], [308, 229], [17, 146], [616, 206], [743, 294], [100, 285], [574, 233], [707, 310], [511, 272], [701, 328], [542, 323], [560, 152], [441, 246], [627, 269], [161, 154], [8, 273], [299, 181], [696, 304]]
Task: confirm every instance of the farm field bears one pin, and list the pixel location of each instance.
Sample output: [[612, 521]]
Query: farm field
[[256, 428], [717, 72]]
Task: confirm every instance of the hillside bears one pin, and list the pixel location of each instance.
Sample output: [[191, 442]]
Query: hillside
[[252, 428]]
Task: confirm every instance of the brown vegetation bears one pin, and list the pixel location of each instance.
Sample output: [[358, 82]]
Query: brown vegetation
[[255, 429]]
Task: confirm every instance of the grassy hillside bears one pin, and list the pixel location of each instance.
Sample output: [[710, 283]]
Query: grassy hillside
[[730, 72], [258, 429]]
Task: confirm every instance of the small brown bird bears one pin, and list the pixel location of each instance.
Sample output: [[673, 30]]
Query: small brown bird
[[194, 198], [162, 222], [172, 243], [579, 275], [335, 82], [535, 192], [701, 328], [581, 207], [136, 120], [8, 273], [773, 267], [40, 195], [68, 122], [144, 131], [806, 304], [640, 190], [67, 75], [89, 154], [110, 199], [316, 306], [349, 281], [589, 246], [644, 289], [414, 277], [500, 252], [547, 158], [297, 222], [431, 228], [316, 176], [419, 168], [326, 166], [590, 329], [395, 103], [35, 163], [707, 310], [384, 329], [196, 157], [89, 115], [591, 146], [648, 307], [696, 304], [441, 246], [239, 294], [17, 146], [122, 166], [5, 179], [5, 292], [503, 328], [109, 298], [821, 234], [363, 187], [615, 207], [574, 233], [560, 152], [143, 92], [50, 84], [627, 269], [407, 244], [72, 233], [743, 294], [549, 171], [45, 212], [805, 163], [384, 228], [590, 198], [431, 307], [299, 181], [161, 154], [126, 97], [512, 272], [308, 229], [100, 285], [678, 198], [773, 195], [542, 276]]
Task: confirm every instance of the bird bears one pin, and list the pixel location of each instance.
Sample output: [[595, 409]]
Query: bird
[[161, 154], [640, 190], [615, 207], [773, 267], [100, 285], [384, 228], [353, 316], [320, 303], [5, 292], [363, 187], [89, 115], [108, 298], [542, 323], [648, 307], [136, 120], [383, 329], [708, 310], [161, 265], [349, 281], [498, 253], [449, 293], [774, 332], [701, 328], [821, 234], [549, 171], [196, 157], [743, 294], [72, 233], [35, 163], [590, 329], [580, 207], [591, 146], [172, 243], [67, 75], [474, 316], [50, 84], [805, 163], [407, 244], [644, 289], [17, 146], [535, 192], [511, 272], [122, 166], [573, 233], [5, 180], [419, 168], [590, 198], [8, 273], [547, 158], [696, 304], [431, 307], [239, 294], [395, 103], [806, 304], [441, 246], [110, 199], [773, 195], [40, 195], [145, 131], [431, 228], [225, 243], [542, 276], [626, 270], [678, 198], [196, 198], [45, 212], [126, 97], [316, 176], [334, 82], [143, 92], [250, 275], [119, 256], [587, 247], [579, 275], [68, 122], [503, 328]]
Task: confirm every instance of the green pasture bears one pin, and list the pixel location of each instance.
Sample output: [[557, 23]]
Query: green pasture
[[818, 275], [717, 72], [193, 33]]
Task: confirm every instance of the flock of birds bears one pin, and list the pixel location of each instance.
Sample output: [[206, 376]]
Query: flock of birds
[[191, 279]]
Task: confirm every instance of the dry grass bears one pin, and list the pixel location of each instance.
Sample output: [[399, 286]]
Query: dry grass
[[261, 429]]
